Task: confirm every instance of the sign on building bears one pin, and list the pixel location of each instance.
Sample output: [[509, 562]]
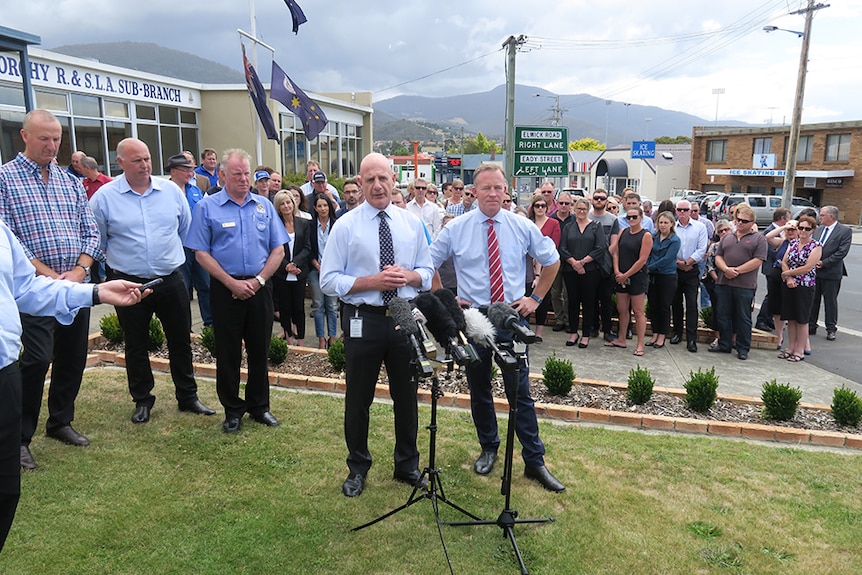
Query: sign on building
[[763, 162], [541, 151], [642, 150]]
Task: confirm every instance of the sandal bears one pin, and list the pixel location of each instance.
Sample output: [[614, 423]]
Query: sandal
[[784, 355], [638, 352], [795, 358]]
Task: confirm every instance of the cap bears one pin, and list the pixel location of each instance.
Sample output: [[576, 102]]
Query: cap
[[318, 177], [261, 175], [178, 161]]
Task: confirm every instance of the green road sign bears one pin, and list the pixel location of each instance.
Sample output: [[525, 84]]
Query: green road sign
[[541, 151]]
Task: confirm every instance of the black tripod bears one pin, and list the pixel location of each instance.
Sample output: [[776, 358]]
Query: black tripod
[[434, 491], [508, 518]]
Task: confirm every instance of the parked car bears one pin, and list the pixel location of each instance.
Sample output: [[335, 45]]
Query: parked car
[[765, 206], [574, 192]]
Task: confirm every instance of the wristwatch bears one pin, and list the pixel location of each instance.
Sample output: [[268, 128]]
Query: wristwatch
[[260, 280], [86, 268]]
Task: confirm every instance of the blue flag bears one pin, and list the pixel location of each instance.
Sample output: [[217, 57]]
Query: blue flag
[[258, 96], [285, 91], [296, 14]]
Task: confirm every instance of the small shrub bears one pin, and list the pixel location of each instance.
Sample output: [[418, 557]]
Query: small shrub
[[640, 385], [277, 350], [706, 315], [846, 407], [208, 339], [157, 334], [700, 390], [559, 375], [779, 400], [336, 355], [111, 328]]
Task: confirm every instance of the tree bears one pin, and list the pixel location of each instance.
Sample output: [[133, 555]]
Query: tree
[[586, 144], [480, 145], [673, 140]]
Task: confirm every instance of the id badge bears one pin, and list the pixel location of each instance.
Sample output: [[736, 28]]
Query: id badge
[[356, 327]]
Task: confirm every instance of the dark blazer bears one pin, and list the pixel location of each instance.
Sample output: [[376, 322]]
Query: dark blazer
[[301, 249], [834, 251], [769, 262]]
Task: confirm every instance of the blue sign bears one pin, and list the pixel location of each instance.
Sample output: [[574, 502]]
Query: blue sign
[[643, 150]]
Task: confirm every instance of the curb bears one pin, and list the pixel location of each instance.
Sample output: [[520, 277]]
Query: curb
[[565, 413]]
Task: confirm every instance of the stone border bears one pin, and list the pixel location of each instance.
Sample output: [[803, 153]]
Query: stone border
[[567, 413]]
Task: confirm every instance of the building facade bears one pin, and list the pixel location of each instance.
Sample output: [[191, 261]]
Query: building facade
[[656, 178], [752, 160]]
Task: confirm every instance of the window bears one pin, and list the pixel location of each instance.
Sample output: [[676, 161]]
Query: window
[[51, 101], [756, 201], [11, 95], [837, 147], [806, 148], [762, 145], [716, 150]]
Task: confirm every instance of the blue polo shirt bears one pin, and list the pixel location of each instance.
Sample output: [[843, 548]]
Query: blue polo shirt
[[239, 236]]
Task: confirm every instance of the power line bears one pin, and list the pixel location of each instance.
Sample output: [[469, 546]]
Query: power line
[[426, 76]]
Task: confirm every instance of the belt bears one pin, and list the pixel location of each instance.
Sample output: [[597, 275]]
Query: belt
[[365, 308], [242, 277], [143, 280]]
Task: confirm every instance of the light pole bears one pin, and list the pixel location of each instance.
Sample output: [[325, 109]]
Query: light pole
[[796, 122], [717, 92], [607, 109], [556, 111], [646, 123]]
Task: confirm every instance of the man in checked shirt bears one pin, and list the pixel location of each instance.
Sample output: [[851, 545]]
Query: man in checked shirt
[[47, 209]]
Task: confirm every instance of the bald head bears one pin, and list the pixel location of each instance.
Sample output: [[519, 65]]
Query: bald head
[[41, 132]]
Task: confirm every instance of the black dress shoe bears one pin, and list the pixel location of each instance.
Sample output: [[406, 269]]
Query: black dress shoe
[[649, 344], [830, 335], [68, 436], [742, 355], [543, 476], [353, 485], [717, 349], [485, 463], [266, 418], [675, 339], [692, 346], [195, 406], [142, 414], [412, 478], [231, 424], [27, 461]]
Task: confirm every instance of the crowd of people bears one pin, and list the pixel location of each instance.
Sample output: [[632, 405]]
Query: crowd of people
[[248, 247]]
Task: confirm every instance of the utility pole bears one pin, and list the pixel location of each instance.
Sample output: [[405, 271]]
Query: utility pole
[[796, 122], [511, 44]]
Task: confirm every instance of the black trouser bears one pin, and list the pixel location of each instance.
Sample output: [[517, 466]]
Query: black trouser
[[170, 302], [686, 286], [290, 302], [662, 289], [45, 339], [604, 291], [581, 291], [763, 316], [10, 445], [828, 290], [379, 344], [235, 321]]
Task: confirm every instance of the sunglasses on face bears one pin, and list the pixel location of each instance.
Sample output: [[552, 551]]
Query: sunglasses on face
[[420, 187], [540, 206], [431, 192], [632, 217], [469, 195], [600, 198], [458, 188], [804, 229], [683, 209], [744, 221], [507, 201], [565, 203]]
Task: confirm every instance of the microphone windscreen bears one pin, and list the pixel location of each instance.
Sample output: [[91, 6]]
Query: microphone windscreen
[[401, 313], [479, 328], [440, 323], [501, 315], [447, 298]]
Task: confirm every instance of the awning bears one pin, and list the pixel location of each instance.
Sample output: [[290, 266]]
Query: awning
[[613, 168]]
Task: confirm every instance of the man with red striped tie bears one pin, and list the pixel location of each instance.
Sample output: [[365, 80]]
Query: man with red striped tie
[[488, 247]]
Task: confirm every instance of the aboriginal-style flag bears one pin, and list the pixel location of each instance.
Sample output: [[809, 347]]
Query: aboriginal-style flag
[[285, 91], [258, 96]]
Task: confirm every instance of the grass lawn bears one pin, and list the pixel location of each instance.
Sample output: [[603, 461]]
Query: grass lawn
[[178, 496]]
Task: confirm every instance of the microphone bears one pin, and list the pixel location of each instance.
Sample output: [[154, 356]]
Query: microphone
[[482, 331], [401, 314], [456, 312], [506, 318], [442, 326], [421, 321]]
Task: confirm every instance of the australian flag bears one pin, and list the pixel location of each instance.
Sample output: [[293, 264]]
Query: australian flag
[[296, 14], [258, 96], [285, 91]]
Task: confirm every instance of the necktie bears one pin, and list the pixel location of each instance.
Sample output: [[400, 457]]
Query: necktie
[[387, 253], [494, 266], [824, 236]]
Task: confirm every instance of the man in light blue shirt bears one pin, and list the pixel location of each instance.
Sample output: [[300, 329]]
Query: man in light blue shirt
[[239, 239], [466, 239], [142, 223], [631, 200], [353, 269], [692, 250]]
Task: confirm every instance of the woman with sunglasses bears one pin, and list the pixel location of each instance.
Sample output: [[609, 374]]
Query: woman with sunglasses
[[798, 273], [779, 238], [630, 256], [550, 227]]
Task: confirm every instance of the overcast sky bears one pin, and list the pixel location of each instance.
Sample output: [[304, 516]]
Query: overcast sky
[[671, 54]]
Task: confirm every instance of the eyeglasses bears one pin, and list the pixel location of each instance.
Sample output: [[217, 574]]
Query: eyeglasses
[[420, 187], [804, 228], [632, 217], [540, 205], [432, 192], [743, 221], [458, 187], [565, 203], [683, 209], [600, 198], [469, 195], [581, 209], [507, 201]]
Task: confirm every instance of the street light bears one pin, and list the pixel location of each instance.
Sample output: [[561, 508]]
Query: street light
[[607, 104], [718, 92]]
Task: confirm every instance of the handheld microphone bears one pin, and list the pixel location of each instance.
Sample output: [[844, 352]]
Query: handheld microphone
[[442, 326], [482, 331], [421, 321], [399, 309], [506, 318], [456, 312]]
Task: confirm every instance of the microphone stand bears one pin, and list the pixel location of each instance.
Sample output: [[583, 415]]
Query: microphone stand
[[508, 518], [435, 492]]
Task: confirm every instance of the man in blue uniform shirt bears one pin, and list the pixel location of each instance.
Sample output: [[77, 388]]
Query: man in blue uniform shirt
[[354, 269], [465, 239], [239, 239]]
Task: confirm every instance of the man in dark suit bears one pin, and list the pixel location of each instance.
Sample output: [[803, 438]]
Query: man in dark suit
[[764, 320], [836, 239]]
